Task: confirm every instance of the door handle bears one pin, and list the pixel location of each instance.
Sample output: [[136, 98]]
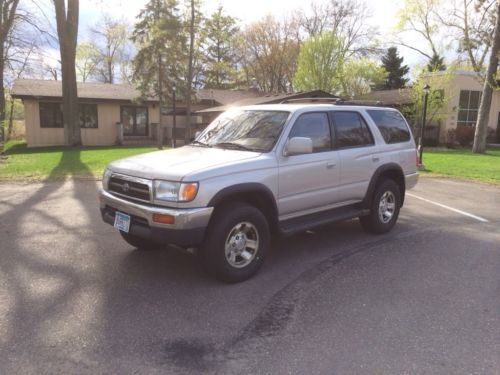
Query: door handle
[[375, 159], [330, 165]]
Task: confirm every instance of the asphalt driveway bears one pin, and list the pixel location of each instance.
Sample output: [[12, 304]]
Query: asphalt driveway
[[75, 298]]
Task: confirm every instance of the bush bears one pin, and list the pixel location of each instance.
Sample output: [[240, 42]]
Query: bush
[[465, 135], [451, 138]]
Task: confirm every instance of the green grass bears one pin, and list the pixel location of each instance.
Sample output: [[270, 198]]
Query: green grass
[[464, 164], [31, 164]]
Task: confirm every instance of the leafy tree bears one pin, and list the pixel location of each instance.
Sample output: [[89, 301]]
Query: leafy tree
[[220, 62], [268, 53], [396, 71], [490, 83], [111, 38], [161, 44], [359, 75], [320, 63], [67, 31], [87, 59], [436, 64]]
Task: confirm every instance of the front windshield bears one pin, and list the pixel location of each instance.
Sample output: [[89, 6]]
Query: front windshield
[[251, 130]]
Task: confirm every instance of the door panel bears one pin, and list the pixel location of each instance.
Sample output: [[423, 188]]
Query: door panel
[[141, 121], [127, 116], [134, 120], [308, 181]]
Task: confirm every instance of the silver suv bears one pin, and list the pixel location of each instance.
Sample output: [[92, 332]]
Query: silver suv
[[261, 170]]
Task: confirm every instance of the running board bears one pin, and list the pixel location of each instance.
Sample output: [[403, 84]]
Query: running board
[[303, 223]]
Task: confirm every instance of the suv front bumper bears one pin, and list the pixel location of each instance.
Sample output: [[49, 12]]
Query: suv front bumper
[[188, 228]]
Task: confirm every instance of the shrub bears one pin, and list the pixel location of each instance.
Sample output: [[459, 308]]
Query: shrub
[[465, 135], [451, 138]]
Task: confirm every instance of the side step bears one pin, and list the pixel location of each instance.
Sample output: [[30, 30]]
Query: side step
[[303, 223]]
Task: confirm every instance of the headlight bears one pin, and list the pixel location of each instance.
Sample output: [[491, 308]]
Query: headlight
[[175, 191], [105, 178]]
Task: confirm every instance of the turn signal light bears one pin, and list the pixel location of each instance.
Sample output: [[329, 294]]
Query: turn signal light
[[163, 219], [188, 191]]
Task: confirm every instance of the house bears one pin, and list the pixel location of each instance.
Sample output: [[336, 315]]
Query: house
[[462, 94], [102, 107]]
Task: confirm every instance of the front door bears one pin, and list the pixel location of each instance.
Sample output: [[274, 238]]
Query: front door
[[307, 182], [134, 120]]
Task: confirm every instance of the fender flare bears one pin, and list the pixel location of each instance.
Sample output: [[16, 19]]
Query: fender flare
[[389, 167]]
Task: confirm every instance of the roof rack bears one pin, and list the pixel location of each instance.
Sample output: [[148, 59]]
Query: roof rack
[[312, 100], [335, 101], [373, 103]]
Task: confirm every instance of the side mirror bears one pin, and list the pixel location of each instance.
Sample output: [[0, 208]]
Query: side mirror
[[298, 146]]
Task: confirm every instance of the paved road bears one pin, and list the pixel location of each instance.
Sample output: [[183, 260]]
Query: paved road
[[74, 298]]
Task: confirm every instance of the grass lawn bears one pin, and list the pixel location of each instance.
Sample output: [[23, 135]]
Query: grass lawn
[[463, 163], [31, 164]]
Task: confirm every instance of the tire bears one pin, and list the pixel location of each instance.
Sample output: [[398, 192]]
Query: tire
[[384, 210], [236, 243], [138, 242]]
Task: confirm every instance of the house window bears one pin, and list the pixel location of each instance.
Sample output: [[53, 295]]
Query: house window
[[87, 115], [50, 115], [468, 107]]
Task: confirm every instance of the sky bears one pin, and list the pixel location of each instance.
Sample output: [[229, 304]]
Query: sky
[[383, 11]]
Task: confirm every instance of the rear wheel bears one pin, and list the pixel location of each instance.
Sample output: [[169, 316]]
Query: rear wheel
[[384, 210], [138, 242], [236, 243]]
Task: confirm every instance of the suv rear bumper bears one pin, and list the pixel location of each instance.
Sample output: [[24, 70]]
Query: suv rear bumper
[[411, 180], [188, 228]]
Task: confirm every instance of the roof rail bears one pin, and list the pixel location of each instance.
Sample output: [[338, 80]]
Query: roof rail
[[312, 100], [374, 103]]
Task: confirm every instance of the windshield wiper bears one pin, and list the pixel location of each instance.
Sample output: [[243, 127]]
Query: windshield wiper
[[200, 143], [235, 146]]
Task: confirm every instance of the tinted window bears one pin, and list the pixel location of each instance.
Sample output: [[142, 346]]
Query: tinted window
[[316, 127], [391, 124], [351, 130]]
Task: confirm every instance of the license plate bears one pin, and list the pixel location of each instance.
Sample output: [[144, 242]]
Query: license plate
[[122, 221]]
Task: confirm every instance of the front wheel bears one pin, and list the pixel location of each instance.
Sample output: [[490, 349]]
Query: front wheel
[[236, 243], [385, 207]]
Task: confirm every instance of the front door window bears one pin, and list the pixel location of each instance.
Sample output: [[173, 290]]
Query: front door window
[[134, 120]]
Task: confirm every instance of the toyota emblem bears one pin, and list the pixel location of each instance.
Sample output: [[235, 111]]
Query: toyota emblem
[[125, 187]]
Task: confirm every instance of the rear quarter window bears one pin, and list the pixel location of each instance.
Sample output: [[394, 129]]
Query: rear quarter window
[[392, 125]]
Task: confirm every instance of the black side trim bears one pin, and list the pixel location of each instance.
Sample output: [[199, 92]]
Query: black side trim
[[303, 223], [383, 169], [243, 189]]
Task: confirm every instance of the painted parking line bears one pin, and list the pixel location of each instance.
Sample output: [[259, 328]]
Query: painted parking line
[[479, 218]]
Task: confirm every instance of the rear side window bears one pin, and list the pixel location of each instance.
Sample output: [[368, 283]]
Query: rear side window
[[315, 126], [351, 130], [391, 124]]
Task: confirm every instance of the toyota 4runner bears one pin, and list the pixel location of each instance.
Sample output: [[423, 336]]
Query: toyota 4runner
[[260, 170]]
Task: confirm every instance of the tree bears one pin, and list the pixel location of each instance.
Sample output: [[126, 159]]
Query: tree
[[7, 16], [219, 42], [396, 71], [67, 32], [111, 37], [481, 132], [87, 59], [268, 52], [346, 19], [193, 20], [161, 42], [436, 63], [359, 75], [320, 63], [420, 18], [471, 22]]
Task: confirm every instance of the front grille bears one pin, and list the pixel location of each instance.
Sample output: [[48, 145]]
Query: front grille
[[128, 188]]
